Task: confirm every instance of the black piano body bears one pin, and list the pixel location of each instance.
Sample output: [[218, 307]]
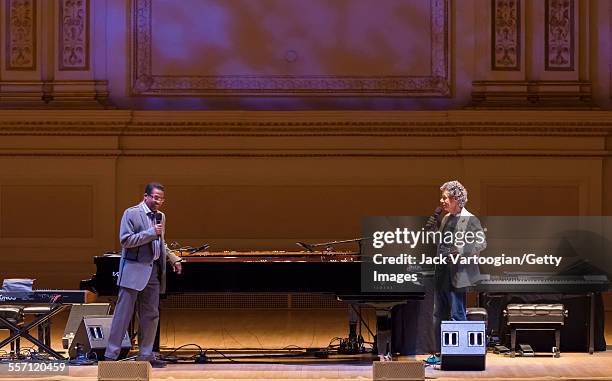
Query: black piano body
[[332, 273]]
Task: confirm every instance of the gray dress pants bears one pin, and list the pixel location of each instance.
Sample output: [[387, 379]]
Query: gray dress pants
[[147, 304]]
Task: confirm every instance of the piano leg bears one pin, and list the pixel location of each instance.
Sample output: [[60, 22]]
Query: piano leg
[[355, 340], [382, 339], [557, 342], [591, 323]]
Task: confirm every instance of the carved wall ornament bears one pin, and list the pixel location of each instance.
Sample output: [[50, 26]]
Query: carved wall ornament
[[73, 35], [559, 35], [145, 82], [21, 35], [506, 35]]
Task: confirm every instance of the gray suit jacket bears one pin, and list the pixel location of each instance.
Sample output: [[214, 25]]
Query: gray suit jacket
[[136, 241], [466, 275]]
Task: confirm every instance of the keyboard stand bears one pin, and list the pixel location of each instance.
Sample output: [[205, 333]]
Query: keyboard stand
[[16, 332]]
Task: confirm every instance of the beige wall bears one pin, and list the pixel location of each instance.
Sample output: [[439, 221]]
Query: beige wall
[[264, 180]]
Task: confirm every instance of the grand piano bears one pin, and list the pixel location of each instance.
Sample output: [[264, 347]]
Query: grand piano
[[336, 273]]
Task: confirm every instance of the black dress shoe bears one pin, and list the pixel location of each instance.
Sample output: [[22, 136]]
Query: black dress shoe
[[155, 363]]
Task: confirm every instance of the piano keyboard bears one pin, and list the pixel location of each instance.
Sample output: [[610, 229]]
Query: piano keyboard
[[559, 283], [47, 297]]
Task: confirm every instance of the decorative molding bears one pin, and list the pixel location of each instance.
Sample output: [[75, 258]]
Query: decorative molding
[[20, 35], [532, 94], [144, 82], [54, 94], [306, 123], [559, 35], [506, 35], [73, 44], [279, 153], [323, 134]]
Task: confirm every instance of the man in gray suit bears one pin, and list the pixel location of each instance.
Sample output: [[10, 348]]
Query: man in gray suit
[[452, 280], [142, 273]]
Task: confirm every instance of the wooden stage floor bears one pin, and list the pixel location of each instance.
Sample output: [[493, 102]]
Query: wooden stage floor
[[225, 329], [571, 366]]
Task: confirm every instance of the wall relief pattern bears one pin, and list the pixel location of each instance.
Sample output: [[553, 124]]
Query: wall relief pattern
[[559, 35], [506, 39], [21, 35], [145, 82], [74, 35]]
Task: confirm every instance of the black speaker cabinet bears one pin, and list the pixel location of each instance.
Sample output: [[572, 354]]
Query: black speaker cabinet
[[91, 338], [77, 312], [463, 345]]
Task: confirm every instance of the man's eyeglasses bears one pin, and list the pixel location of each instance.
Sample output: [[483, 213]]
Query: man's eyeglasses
[[157, 198]]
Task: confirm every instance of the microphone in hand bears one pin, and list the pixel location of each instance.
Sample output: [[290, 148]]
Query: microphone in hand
[[158, 221], [432, 221]]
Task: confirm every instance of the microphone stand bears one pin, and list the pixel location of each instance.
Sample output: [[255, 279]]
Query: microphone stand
[[328, 245], [200, 248]]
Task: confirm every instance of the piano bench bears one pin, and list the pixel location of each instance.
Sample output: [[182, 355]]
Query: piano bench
[[535, 317], [14, 315], [477, 314], [44, 329]]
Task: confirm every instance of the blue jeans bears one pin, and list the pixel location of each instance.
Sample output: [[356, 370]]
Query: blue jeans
[[457, 307], [448, 305]]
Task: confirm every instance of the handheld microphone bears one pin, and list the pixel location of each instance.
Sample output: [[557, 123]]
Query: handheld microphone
[[433, 220], [158, 219]]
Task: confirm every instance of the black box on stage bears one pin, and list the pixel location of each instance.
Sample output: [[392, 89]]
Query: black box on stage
[[91, 338], [77, 312], [463, 345]]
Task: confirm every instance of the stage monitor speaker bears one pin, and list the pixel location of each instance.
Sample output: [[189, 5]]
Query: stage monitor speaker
[[398, 371], [463, 345], [91, 338], [77, 312], [124, 371]]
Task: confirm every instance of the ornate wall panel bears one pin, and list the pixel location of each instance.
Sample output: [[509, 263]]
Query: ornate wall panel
[[73, 44], [262, 209], [506, 35], [20, 35], [535, 199], [559, 35], [240, 47], [33, 211]]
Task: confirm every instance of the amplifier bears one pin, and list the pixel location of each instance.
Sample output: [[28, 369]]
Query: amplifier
[[77, 312], [463, 345], [92, 337]]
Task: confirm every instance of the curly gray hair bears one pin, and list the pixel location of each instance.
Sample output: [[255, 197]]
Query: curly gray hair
[[456, 190]]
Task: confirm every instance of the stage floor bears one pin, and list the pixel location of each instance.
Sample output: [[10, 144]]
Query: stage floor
[[224, 329], [571, 366]]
